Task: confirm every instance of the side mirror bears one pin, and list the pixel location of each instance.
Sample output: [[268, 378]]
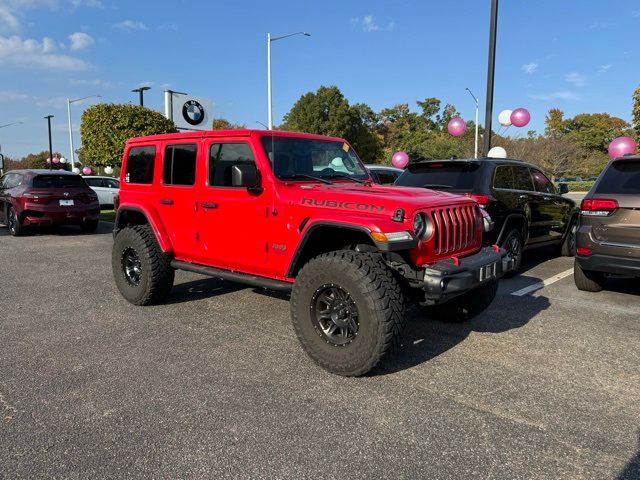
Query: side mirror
[[564, 188], [245, 176], [1, 161]]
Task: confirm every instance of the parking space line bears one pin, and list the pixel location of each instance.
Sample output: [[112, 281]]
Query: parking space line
[[545, 283]]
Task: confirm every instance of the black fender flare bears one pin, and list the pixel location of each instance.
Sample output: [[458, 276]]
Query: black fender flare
[[506, 224]]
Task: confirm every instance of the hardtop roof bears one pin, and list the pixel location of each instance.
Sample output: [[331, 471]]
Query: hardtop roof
[[192, 135]]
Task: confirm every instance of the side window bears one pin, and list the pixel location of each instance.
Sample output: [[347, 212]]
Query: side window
[[386, 178], [223, 156], [522, 179], [140, 162], [109, 183], [503, 177], [93, 182], [180, 164], [10, 180], [542, 183]]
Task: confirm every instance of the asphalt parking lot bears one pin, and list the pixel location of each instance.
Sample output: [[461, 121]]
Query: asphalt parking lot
[[545, 384]]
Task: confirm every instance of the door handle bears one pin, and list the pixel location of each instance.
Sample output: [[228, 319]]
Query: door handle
[[208, 205], [166, 201], [522, 197]]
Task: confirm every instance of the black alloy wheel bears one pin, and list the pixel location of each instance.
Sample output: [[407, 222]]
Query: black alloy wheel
[[131, 266], [334, 314]]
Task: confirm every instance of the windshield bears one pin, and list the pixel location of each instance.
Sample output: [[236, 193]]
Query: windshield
[[440, 176], [58, 181], [293, 158], [623, 176]]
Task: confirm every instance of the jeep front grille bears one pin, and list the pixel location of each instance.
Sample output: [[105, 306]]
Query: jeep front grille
[[455, 228]]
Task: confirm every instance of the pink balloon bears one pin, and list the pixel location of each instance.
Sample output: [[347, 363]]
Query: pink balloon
[[87, 171], [622, 146], [400, 159], [56, 160], [520, 117], [456, 126]]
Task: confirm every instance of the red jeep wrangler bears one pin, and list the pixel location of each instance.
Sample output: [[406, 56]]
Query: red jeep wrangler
[[298, 212]]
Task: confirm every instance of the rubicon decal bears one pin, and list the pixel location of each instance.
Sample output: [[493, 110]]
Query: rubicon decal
[[347, 205]]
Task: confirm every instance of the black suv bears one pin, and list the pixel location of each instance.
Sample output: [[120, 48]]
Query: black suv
[[527, 209]]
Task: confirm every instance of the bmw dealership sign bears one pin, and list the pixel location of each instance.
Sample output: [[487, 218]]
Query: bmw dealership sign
[[189, 112]]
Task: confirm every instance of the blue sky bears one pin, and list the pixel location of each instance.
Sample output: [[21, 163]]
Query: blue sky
[[578, 55]]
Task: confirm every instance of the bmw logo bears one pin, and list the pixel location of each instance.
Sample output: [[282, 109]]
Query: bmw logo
[[193, 112]]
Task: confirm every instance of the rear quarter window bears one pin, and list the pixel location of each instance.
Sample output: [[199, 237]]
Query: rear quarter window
[[58, 181], [140, 165], [622, 176]]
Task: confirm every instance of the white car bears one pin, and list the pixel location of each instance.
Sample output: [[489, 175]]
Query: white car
[[105, 187]]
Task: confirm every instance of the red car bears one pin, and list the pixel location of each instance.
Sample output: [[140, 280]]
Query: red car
[[45, 197]]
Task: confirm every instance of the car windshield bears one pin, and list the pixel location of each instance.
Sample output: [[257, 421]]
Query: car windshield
[[623, 176], [58, 181], [300, 158], [440, 176]]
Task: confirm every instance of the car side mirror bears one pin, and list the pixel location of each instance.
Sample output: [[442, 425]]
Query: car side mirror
[[245, 176], [564, 188], [1, 162]]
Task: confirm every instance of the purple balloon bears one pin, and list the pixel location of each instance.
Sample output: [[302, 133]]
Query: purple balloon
[[456, 126], [622, 146], [520, 117], [400, 159], [87, 171]]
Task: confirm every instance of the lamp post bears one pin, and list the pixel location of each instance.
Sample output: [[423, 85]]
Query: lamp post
[[49, 117], [69, 102], [269, 40], [141, 91], [491, 67], [168, 102], [477, 106]]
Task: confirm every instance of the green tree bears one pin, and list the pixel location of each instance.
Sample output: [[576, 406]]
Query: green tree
[[594, 131], [105, 128], [327, 112], [555, 124], [224, 124], [636, 112]]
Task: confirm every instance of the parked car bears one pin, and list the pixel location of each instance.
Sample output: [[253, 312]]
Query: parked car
[[384, 175], [46, 197], [527, 209], [298, 212], [105, 187], [608, 237]]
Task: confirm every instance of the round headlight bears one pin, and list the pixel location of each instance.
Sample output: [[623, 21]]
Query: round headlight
[[419, 225]]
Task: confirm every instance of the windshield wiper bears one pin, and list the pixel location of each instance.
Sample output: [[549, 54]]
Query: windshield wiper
[[435, 185], [343, 175], [295, 176]]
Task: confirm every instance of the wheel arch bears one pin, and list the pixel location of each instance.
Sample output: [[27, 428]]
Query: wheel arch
[[128, 215], [514, 220]]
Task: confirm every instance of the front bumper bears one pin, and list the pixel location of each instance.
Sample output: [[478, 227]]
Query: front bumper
[[445, 279]]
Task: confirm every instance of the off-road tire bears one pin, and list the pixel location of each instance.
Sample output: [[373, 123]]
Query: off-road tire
[[380, 307], [90, 226], [464, 307], [568, 247], [586, 280], [156, 274], [513, 240], [13, 223]]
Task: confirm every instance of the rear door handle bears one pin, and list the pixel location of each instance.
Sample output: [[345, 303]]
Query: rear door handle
[[208, 205], [166, 201]]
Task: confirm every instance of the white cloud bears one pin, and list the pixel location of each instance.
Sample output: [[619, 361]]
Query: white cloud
[[604, 68], [32, 53], [131, 25], [576, 79], [530, 67], [13, 96], [368, 24], [86, 3], [96, 82], [560, 95], [8, 19], [80, 40]]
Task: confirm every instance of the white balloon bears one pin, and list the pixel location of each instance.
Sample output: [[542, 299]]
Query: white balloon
[[505, 118], [63, 160], [76, 170], [497, 152], [108, 170]]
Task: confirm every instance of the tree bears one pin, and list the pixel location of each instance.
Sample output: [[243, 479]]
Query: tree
[[555, 123], [105, 128], [636, 112], [224, 124], [327, 112], [595, 131]]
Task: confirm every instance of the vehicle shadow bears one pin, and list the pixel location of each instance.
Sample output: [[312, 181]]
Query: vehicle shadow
[[59, 231], [631, 470], [205, 287], [425, 338], [533, 258]]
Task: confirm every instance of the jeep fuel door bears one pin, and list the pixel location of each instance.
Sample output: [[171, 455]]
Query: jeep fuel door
[[232, 219]]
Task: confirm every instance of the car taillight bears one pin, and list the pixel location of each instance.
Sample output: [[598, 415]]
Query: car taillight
[[37, 197], [482, 200], [598, 207], [583, 251]]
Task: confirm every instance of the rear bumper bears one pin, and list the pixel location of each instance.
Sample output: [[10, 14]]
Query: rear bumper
[[617, 265], [445, 280], [73, 216]]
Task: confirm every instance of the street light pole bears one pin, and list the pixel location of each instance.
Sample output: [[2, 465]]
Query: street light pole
[[269, 95], [477, 106], [49, 117], [491, 67], [69, 102], [141, 91]]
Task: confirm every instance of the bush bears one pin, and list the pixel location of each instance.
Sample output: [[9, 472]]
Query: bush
[[105, 128], [580, 186]]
